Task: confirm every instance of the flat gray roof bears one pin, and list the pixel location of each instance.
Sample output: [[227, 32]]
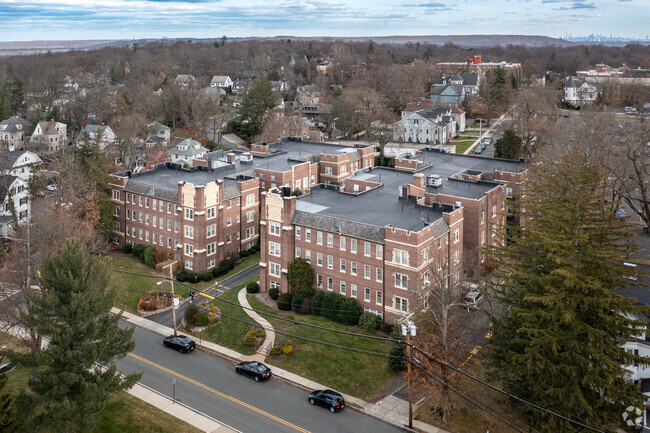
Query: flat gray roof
[[446, 164]]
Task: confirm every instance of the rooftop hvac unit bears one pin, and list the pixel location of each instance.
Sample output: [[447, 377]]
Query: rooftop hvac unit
[[434, 180]]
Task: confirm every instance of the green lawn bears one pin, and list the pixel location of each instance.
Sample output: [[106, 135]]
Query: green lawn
[[230, 332], [123, 413], [130, 288], [358, 374], [463, 145]]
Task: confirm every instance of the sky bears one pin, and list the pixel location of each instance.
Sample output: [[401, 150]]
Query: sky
[[28, 20]]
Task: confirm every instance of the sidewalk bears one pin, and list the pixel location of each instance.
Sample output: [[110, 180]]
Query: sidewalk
[[391, 409], [489, 130], [269, 340]]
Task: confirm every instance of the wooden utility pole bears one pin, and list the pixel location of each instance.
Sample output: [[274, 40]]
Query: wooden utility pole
[[171, 281], [408, 369]]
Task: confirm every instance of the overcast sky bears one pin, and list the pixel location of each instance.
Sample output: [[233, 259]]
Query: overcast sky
[[125, 19]]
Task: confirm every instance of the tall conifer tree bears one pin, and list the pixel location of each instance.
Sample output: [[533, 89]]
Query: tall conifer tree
[[69, 389], [558, 344]]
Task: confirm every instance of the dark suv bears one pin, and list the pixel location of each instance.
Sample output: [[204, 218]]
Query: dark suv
[[327, 398]]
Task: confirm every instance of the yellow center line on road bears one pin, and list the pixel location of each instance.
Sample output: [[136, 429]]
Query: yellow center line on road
[[220, 394], [206, 295]]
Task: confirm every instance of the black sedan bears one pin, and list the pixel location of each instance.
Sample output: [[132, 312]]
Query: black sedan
[[327, 398], [253, 369], [181, 343]]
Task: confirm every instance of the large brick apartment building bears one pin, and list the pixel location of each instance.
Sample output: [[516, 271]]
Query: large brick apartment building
[[376, 234], [475, 65]]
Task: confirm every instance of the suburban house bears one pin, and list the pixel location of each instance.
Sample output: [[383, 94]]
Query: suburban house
[[185, 80], [448, 93], [14, 201], [580, 92], [324, 67], [470, 82], [19, 163], [279, 86], [187, 150], [49, 136], [459, 118], [239, 87], [159, 130], [14, 133], [432, 125], [102, 135], [222, 81]]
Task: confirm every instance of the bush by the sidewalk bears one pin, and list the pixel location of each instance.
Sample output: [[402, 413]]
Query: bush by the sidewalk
[[284, 301], [276, 350], [296, 302], [252, 287], [260, 332], [274, 293], [250, 339], [138, 251], [190, 314], [350, 311], [332, 305], [201, 319], [317, 304], [369, 322], [127, 248]]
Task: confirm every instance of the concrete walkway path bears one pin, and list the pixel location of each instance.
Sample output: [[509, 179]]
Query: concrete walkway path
[[496, 123], [265, 349]]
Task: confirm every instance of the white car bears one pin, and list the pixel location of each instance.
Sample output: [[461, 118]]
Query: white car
[[51, 188], [473, 298]]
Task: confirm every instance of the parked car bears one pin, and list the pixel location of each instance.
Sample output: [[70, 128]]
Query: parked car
[[327, 398], [181, 343], [473, 298], [236, 104], [51, 188], [630, 110], [479, 148], [566, 115], [620, 213], [253, 369], [479, 120], [488, 141]]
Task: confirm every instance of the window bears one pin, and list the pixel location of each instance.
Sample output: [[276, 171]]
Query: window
[[379, 251], [211, 263], [128, 214], [494, 210], [308, 256], [330, 240], [482, 237], [160, 205], [211, 212], [139, 200], [169, 242], [250, 199], [319, 281], [353, 290], [146, 219], [401, 281], [298, 184], [342, 265], [328, 170], [155, 238], [155, 221], [274, 228], [169, 225], [308, 235], [319, 238], [274, 269], [298, 252], [237, 235], [211, 248], [401, 257], [494, 230], [342, 243], [342, 287], [274, 248], [189, 214], [380, 274], [275, 285], [189, 232], [297, 232], [155, 204], [366, 294], [319, 259], [189, 264], [353, 268], [250, 232], [250, 216], [425, 255], [228, 204], [330, 284], [189, 250], [161, 224], [456, 256], [378, 297], [456, 235], [228, 222], [401, 304], [169, 208], [366, 271], [509, 192], [482, 216], [146, 202], [366, 249], [228, 239], [161, 240], [330, 262], [116, 209], [128, 197], [116, 194], [238, 218], [353, 246]]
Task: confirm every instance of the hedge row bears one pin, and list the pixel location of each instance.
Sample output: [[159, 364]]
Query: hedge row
[[191, 277], [331, 305]]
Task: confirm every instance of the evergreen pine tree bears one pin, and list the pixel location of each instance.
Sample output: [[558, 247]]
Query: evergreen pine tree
[[8, 422], [558, 343], [69, 388]]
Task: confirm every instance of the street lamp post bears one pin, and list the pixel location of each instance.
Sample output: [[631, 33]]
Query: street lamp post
[[171, 281], [409, 330]]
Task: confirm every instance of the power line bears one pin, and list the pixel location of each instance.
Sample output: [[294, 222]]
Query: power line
[[521, 400]]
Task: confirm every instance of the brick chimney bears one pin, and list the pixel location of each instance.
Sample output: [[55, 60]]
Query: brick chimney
[[230, 157], [418, 180]]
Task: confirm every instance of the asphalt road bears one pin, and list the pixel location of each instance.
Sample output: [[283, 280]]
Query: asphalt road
[[165, 318], [209, 384]]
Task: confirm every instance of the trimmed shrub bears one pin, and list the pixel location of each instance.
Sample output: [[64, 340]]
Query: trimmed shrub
[[386, 327], [350, 312], [207, 276], [182, 276], [190, 314], [284, 301], [260, 332], [276, 350], [127, 248], [286, 350], [317, 304], [369, 322], [228, 264], [138, 251], [296, 302], [332, 305], [244, 253], [201, 319], [301, 277], [274, 293], [250, 339], [252, 287], [305, 308]]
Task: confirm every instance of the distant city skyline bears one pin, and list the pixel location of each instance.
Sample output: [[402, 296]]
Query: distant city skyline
[[29, 20]]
